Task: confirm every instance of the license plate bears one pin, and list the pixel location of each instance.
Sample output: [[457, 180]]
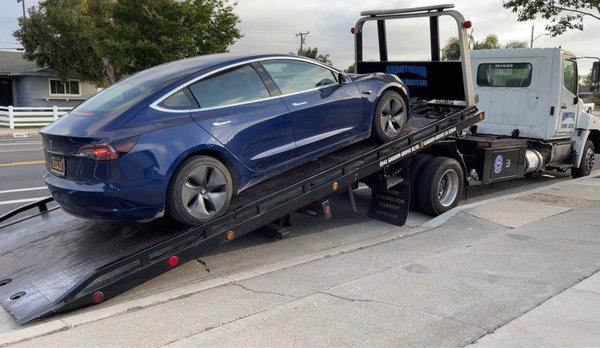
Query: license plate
[[57, 164]]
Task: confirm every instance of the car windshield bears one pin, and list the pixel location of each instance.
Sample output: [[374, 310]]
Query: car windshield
[[126, 93]]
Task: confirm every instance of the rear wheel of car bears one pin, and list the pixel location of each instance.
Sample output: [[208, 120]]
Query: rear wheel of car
[[200, 190], [440, 185], [587, 161], [390, 116]]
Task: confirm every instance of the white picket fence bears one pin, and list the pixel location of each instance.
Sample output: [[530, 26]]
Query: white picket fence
[[30, 116]]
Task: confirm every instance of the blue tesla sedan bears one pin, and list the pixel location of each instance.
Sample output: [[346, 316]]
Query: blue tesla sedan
[[185, 137]]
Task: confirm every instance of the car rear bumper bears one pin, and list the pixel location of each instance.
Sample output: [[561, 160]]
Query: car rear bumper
[[100, 201]]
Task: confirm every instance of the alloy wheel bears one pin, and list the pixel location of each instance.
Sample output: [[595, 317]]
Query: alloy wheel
[[393, 116], [204, 192]]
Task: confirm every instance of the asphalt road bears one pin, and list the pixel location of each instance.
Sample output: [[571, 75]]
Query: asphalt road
[[22, 167]]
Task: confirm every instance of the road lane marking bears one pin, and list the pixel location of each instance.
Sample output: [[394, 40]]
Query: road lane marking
[[24, 189], [24, 200], [22, 150], [21, 143], [24, 163]]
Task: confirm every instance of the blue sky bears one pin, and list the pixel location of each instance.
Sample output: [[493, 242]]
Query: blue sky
[[269, 26]]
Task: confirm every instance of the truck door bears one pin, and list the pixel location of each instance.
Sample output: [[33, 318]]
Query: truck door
[[569, 100]]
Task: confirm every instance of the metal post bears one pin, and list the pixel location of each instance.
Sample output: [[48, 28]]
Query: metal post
[[11, 117], [531, 42], [434, 33], [382, 35], [55, 112]]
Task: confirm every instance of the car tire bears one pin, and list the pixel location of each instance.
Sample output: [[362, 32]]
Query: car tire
[[200, 190], [391, 115], [440, 186], [586, 164], [417, 164]]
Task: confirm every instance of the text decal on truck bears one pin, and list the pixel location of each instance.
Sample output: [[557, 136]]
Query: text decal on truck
[[416, 147]]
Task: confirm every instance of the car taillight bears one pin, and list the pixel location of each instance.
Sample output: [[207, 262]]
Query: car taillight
[[105, 151], [99, 152]]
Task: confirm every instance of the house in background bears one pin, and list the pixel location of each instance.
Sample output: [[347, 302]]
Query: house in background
[[23, 83]]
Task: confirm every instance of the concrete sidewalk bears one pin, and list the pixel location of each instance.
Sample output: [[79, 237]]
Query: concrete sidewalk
[[483, 271]]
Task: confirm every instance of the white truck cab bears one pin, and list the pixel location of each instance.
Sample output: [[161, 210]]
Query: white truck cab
[[532, 93]]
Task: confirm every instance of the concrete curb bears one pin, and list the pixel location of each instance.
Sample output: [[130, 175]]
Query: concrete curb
[[442, 219]]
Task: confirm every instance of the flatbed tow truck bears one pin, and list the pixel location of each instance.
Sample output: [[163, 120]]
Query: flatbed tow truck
[[52, 262]]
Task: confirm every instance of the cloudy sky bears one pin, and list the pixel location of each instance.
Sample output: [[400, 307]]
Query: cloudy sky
[[270, 26]]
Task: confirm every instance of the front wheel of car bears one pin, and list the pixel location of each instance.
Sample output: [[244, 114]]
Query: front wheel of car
[[200, 191], [390, 116]]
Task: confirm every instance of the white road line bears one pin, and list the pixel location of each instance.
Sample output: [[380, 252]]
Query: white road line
[[22, 143], [22, 150], [25, 200], [24, 189]]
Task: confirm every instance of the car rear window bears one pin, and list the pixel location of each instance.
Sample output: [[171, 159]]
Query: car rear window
[[128, 92], [504, 74]]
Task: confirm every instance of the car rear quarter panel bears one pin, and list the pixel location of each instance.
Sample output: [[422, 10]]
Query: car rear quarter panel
[[167, 139]]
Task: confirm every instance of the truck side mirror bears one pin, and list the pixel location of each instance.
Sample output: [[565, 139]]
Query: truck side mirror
[[596, 72]]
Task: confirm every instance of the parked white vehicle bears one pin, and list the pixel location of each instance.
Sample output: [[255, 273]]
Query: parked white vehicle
[[532, 94]]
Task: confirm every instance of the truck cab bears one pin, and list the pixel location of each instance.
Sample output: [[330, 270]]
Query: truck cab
[[532, 94], [529, 92]]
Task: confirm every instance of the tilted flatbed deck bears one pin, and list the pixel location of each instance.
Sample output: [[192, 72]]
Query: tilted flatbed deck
[[53, 262]]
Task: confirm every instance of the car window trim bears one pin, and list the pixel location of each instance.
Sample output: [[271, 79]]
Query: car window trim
[[222, 73], [155, 105], [333, 75]]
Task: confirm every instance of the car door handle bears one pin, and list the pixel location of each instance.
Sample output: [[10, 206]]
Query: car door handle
[[221, 123], [564, 106], [300, 103]]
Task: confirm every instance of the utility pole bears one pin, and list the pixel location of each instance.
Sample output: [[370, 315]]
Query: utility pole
[[23, 3], [302, 37], [531, 42]]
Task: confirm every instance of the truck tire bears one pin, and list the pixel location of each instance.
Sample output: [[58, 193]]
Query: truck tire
[[416, 168], [200, 190], [391, 114], [440, 185], [587, 161]]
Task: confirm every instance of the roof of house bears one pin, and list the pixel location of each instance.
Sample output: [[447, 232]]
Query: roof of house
[[13, 64]]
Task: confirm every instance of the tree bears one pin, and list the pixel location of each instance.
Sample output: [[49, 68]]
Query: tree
[[314, 54], [103, 40], [351, 69], [516, 44], [563, 14], [451, 51]]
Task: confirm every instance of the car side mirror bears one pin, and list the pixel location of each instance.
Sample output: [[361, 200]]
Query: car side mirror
[[575, 100], [596, 72], [343, 78]]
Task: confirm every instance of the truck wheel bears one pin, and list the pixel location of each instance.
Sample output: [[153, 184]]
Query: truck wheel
[[587, 161], [390, 116], [200, 190], [440, 186], [416, 167]]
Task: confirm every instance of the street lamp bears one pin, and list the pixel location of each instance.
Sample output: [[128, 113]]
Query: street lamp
[[537, 37]]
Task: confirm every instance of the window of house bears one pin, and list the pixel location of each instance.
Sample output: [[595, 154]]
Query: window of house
[[57, 87], [504, 74], [231, 87]]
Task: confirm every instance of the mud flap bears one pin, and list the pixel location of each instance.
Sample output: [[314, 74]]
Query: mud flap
[[391, 203]]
